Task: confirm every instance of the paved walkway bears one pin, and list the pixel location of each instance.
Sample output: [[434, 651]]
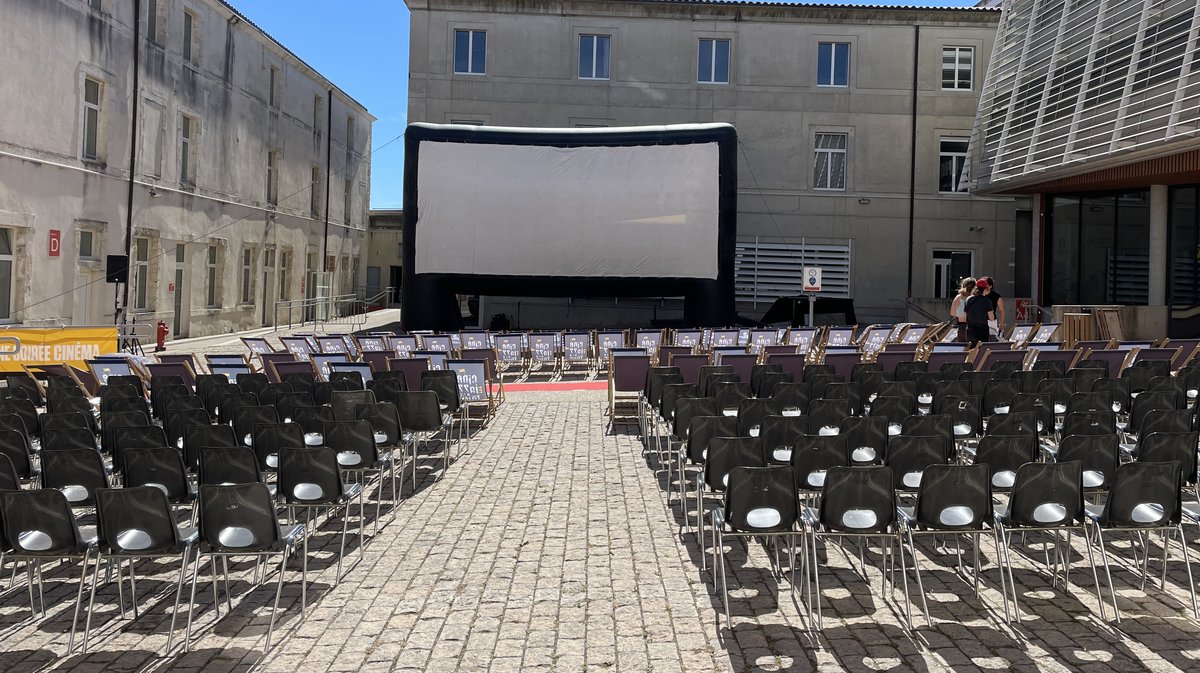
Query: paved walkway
[[547, 547]]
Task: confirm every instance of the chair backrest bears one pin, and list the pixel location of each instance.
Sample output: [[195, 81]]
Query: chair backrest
[[1167, 420], [135, 520], [1144, 495], [238, 518], [1098, 455], [752, 411], [9, 479], [761, 499], [159, 467], [910, 455], [1090, 401], [1014, 423], [934, 424], [954, 497], [673, 392], [726, 453], [1146, 402], [687, 408], [312, 419], [627, 374], [310, 476], [196, 437], [966, 410], [850, 392], [61, 438], [895, 409], [354, 442], [75, 472], [858, 500], [793, 398], [268, 439], [729, 394], [1161, 447], [419, 411], [1089, 423], [690, 366], [703, 429], [756, 375], [1119, 390], [1047, 495], [814, 455], [445, 384], [228, 465], [384, 419], [14, 448], [1004, 454], [866, 438], [38, 523], [344, 402], [826, 416]]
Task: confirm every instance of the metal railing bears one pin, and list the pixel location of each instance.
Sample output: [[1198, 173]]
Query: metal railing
[[348, 310]]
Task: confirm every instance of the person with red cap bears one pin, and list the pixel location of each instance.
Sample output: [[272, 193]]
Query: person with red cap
[[979, 312]]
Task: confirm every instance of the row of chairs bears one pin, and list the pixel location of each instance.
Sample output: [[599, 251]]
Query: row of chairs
[[724, 443], [234, 475]]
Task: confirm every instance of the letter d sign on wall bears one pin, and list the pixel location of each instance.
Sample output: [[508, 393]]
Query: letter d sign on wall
[[55, 242]]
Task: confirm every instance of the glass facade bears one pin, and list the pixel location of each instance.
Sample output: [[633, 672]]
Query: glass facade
[[1184, 284], [1098, 248]]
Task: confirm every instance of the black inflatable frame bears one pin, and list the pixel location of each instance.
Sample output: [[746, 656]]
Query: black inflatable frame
[[428, 300]]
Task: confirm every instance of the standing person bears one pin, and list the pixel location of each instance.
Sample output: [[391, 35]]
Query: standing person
[[958, 307], [997, 308], [979, 313]]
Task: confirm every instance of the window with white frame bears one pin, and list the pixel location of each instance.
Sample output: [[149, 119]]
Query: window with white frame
[[593, 56], [212, 299], [829, 168], [91, 118], [141, 273], [833, 64], [712, 64], [272, 177], [187, 131], [958, 65], [470, 52], [247, 276], [187, 46], [952, 157]]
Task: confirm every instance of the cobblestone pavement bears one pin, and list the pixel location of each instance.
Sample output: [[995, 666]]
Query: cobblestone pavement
[[548, 547]]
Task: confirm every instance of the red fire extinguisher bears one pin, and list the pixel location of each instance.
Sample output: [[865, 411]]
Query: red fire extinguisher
[[161, 337]]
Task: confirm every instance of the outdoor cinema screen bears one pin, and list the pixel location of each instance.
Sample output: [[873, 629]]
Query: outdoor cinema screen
[[642, 211], [513, 210]]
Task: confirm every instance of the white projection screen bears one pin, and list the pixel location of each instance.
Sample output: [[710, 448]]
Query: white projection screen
[[614, 212], [529, 210]]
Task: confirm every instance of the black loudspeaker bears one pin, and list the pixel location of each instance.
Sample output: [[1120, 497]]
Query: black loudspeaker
[[117, 269]]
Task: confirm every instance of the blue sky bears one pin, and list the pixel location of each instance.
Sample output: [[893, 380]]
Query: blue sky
[[362, 47]]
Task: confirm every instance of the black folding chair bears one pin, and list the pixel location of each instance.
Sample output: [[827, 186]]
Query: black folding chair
[[38, 526], [760, 502], [311, 479], [239, 520], [135, 524]]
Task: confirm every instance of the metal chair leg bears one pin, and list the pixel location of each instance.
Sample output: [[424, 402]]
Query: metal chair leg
[[275, 607], [83, 573]]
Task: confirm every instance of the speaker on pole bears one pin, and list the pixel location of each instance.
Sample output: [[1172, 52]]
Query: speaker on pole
[[117, 269]]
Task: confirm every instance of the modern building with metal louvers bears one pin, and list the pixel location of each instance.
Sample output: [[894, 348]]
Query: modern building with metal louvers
[[1093, 106]]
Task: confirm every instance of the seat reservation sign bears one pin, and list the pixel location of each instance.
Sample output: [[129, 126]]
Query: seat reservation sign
[[55, 345]]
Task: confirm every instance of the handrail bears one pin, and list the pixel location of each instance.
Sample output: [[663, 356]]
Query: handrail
[[339, 309], [913, 306]]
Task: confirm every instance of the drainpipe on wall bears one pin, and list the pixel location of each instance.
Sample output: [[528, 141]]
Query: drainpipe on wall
[[912, 168], [119, 307], [328, 175]]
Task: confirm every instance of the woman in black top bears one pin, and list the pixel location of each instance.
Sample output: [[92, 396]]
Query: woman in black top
[[997, 300], [979, 312]]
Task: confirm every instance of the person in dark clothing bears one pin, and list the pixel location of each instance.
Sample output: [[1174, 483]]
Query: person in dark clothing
[[998, 312], [979, 312]]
